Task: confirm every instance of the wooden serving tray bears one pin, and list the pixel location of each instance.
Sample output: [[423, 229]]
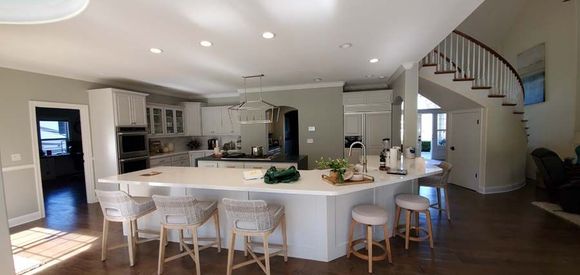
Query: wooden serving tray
[[366, 179]]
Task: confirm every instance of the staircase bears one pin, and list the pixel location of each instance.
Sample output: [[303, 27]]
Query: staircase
[[467, 73], [468, 60]]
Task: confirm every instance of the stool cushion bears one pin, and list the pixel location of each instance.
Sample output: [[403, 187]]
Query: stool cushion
[[369, 214], [412, 202]]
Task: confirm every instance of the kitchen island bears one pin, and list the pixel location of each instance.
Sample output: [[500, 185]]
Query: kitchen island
[[318, 213]]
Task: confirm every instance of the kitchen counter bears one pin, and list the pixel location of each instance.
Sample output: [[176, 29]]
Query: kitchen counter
[[318, 214]]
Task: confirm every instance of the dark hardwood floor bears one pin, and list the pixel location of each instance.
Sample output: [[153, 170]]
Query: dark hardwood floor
[[493, 234]]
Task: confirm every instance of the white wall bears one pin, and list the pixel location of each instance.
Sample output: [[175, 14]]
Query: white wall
[[405, 84], [553, 23], [16, 90]]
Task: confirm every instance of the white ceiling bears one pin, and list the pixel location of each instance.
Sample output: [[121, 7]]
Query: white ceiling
[[110, 41]]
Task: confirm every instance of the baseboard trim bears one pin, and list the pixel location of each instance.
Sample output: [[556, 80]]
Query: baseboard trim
[[24, 219], [503, 189]]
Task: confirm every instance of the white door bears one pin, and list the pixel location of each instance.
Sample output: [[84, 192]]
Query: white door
[[439, 139], [464, 148], [123, 109], [138, 110], [377, 128], [353, 124]]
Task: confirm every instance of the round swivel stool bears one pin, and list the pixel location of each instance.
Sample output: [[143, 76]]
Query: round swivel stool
[[369, 215], [413, 204]]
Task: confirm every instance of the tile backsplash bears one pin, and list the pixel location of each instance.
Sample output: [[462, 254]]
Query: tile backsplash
[[180, 143]]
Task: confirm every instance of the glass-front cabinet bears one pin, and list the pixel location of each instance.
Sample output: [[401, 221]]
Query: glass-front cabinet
[[169, 121], [179, 122], [165, 120], [155, 120]]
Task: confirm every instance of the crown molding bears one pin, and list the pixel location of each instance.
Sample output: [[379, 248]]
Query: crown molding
[[335, 84], [220, 95]]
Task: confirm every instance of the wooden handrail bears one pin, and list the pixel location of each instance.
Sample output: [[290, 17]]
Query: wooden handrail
[[494, 53]]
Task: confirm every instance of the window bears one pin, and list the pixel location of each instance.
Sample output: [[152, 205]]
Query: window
[[54, 137], [442, 129]]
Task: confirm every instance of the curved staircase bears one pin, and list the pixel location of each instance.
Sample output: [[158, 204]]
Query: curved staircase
[[467, 60], [467, 68]]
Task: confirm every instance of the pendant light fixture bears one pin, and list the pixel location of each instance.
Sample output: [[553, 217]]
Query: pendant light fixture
[[27, 12], [255, 111]]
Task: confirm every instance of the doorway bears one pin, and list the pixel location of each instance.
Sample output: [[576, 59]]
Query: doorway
[[291, 133], [60, 150], [62, 155], [433, 132]]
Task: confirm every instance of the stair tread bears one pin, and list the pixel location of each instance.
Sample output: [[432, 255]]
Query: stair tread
[[445, 72], [480, 87], [496, 96], [464, 79]]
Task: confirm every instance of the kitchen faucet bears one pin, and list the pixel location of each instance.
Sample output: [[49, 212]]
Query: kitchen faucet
[[364, 160]]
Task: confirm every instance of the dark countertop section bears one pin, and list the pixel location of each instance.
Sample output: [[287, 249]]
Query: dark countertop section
[[302, 160]]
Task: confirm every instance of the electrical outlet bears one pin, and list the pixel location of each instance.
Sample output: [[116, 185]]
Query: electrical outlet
[[310, 140], [311, 129], [16, 157]]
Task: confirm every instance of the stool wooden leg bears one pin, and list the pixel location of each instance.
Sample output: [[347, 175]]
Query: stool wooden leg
[[447, 209], [387, 244], [231, 252], [162, 238], [247, 241], [429, 227], [284, 238], [350, 237], [216, 217], [104, 240], [266, 253], [417, 224], [407, 227], [396, 224], [196, 250], [438, 199], [181, 244], [135, 234], [370, 246], [130, 244]]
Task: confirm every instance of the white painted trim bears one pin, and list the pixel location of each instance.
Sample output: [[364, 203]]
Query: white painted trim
[[295, 87], [503, 188], [17, 167], [24, 219], [86, 142]]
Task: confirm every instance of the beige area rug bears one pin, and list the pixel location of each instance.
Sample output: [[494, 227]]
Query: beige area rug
[[557, 210]]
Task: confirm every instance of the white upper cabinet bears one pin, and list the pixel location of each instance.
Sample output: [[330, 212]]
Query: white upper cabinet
[[129, 108], [192, 118], [353, 124], [219, 120], [367, 101]]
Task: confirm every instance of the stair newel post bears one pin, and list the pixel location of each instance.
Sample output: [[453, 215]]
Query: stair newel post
[[438, 67], [445, 68]]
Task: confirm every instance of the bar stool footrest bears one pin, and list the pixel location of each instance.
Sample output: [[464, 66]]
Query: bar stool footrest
[[366, 257]]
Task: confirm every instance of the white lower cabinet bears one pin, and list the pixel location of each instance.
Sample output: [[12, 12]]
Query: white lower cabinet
[[180, 160], [207, 164], [230, 164]]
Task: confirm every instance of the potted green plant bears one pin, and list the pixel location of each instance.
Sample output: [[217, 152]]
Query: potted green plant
[[337, 168]]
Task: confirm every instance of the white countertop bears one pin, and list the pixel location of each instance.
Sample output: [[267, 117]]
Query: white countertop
[[231, 179]]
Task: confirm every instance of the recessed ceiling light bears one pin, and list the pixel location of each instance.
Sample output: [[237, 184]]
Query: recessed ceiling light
[[381, 76], [205, 43], [345, 45], [268, 35], [369, 75], [318, 79], [156, 50], [374, 60]]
